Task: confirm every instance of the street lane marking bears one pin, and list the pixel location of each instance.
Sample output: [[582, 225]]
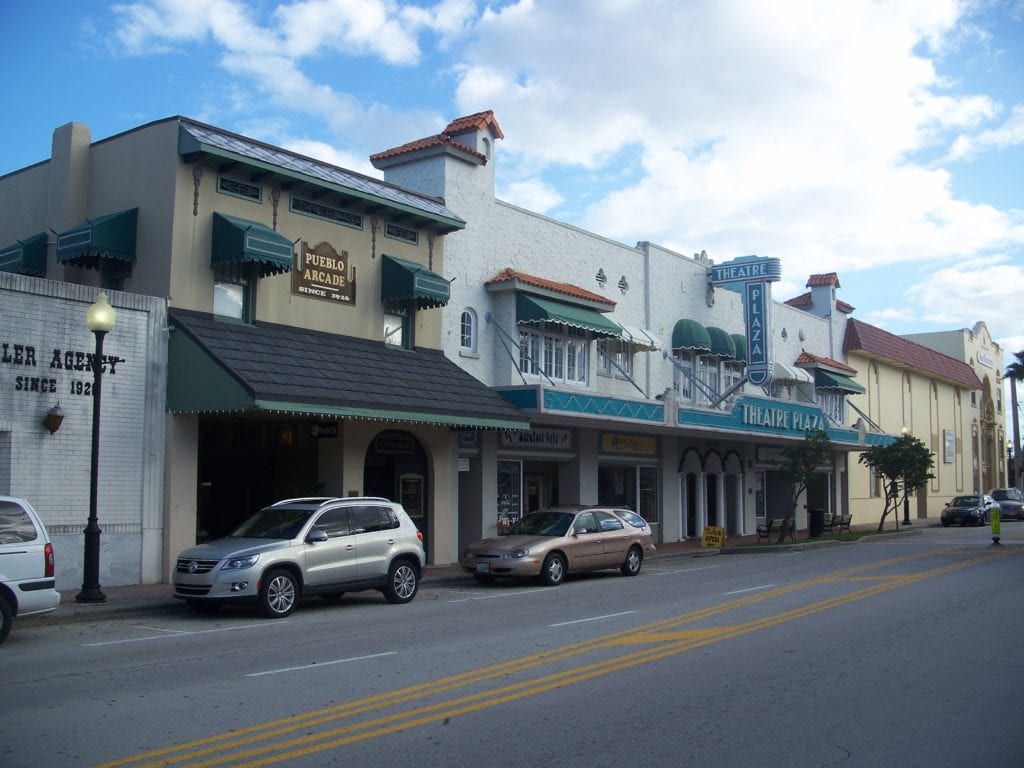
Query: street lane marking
[[321, 664], [503, 594], [682, 570], [179, 633], [592, 618], [750, 589], [257, 745]]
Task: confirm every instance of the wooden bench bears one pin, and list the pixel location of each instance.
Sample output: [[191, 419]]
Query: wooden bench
[[774, 525], [842, 522]]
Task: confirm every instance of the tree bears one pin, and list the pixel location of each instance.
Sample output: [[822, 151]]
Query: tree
[[799, 463], [905, 462], [1015, 372]]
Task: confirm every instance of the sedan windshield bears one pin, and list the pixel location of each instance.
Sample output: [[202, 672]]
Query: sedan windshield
[[543, 524], [1007, 494], [965, 501], [273, 524]]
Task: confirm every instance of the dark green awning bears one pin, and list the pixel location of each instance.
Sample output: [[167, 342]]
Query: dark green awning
[[534, 309], [722, 344], [740, 342], [403, 281], [26, 257], [238, 240], [826, 380], [689, 334], [108, 237]]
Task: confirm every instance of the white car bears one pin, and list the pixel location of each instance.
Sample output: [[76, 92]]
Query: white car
[[27, 583]]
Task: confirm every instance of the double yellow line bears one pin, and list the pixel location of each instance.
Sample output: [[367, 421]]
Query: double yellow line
[[258, 745]]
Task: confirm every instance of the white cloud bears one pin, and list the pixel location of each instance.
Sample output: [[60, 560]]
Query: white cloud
[[534, 195]]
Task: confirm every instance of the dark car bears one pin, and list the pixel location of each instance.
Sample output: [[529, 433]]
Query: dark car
[[968, 510], [1010, 501]]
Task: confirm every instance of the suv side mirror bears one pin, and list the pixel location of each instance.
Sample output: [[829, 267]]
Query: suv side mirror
[[316, 536]]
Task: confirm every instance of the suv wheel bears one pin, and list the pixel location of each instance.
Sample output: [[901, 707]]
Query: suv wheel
[[6, 618], [403, 582], [279, 594]]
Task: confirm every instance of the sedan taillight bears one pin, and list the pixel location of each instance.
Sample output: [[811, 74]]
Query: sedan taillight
[[48, 558]]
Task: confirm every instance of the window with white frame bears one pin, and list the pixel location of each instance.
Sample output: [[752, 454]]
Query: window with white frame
[[682, 380], [561, 357], [467, 331], [614, 357], [707, 366], [833, 404], [732, 371]]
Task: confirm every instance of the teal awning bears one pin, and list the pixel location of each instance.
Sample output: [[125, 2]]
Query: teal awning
[[534, 309], [739, 341], [722, 344], [689, 334], [108, 237], [25, 257], [403, 281], [238, 240], [826, 380]]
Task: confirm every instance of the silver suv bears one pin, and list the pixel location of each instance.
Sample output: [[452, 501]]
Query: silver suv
[[27, 584], [309, 546]]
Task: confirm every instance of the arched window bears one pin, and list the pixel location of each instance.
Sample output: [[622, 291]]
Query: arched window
[[467, 331]]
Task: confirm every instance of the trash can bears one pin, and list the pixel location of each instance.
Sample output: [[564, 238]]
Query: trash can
[[815, 522]]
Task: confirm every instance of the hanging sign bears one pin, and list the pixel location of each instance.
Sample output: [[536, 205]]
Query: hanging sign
[[756, 274]]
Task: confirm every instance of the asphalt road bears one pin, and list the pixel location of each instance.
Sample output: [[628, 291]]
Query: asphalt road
[[903, 651]]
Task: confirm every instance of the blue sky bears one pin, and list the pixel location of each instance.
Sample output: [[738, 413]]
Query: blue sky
[[883, 141]]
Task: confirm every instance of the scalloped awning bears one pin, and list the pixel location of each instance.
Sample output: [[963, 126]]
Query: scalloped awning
[[533, 309], [689, 334], [109, 237]]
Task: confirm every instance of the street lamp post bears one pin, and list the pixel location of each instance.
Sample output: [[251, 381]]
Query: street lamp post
[[100, 319], [906, 488]]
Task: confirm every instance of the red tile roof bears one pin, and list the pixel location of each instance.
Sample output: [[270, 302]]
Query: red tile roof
[[804, 300], [828, 278], [806, 358], [876, 343], [457, 126], [508, 274]]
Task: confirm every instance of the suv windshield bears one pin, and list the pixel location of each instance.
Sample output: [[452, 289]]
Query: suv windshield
[[273, 523], [543, 524]]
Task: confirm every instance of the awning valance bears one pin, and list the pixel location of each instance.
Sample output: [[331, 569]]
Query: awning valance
[[722, 344], [108, 237], [25, 257], [691, 335], [785, 372], [238, 240], [403, 281], [534, 309], [639, 337], [827, 380]]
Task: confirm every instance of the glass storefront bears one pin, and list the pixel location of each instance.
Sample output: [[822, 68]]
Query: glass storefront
[[633, 486]]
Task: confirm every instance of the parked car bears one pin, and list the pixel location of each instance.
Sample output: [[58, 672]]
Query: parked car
[[1010, 501], [967, 510], [551, 543], [27, 583], [309, 546]]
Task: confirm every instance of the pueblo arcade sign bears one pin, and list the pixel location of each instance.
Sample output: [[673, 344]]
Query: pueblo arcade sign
[[755, 274]]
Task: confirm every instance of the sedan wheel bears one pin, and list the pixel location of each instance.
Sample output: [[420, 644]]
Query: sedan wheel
[[552, 573], [631, 567], [279, 594], [403, 582]]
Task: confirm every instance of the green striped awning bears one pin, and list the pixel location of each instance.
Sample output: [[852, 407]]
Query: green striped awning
[[110, 237], [25, 257], [689, 334], [238, 240], [403, 281], [534, 309], [827, 380]]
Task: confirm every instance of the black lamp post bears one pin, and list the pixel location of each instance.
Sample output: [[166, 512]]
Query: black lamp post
[[100, 318], [906, 489]]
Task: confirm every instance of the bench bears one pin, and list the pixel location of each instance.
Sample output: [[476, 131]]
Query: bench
[[766, 530], [829, 521], [842, 522]]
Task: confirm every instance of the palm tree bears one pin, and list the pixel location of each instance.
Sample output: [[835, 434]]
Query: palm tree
[[1015, 372]]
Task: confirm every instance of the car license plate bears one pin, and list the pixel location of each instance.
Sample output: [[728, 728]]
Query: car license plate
[[483, 567]]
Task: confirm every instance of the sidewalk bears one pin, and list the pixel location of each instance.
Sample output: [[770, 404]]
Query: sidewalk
[[156, 599]]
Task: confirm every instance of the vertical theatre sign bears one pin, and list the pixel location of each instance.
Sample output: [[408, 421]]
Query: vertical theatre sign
[[323, 273], [754, 274]]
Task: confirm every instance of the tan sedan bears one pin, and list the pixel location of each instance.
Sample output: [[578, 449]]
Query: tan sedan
[[557, 541]]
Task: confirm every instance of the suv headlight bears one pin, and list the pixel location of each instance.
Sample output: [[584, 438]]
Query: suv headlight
[[236, 563]]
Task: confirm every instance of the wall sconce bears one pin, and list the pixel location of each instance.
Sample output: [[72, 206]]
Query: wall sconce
[[54, 418]]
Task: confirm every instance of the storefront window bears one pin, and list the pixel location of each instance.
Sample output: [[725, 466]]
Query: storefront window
[[510, 485], [629, 486], [561, 358]]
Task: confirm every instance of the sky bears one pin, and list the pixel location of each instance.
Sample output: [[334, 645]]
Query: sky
[[883, 141]]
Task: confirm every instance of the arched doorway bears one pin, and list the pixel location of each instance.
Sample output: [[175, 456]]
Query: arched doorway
[[396, 468]]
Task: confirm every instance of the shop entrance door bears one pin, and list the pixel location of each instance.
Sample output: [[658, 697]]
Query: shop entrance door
[[534, 493]]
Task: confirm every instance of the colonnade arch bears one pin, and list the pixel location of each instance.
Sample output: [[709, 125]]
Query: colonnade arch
[[711, 492]]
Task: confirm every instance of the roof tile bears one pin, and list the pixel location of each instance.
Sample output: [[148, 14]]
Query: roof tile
[[508, 274]]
